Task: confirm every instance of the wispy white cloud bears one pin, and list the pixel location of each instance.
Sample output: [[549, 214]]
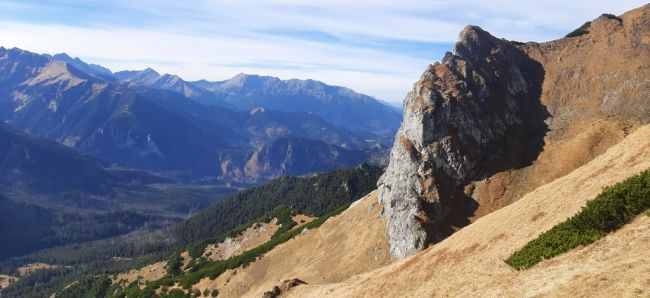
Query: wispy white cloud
[[377, 47]]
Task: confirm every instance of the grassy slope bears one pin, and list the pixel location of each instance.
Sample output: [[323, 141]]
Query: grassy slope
[[609, 211]]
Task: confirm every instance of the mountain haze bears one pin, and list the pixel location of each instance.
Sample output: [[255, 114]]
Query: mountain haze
[[139, 119], [338, 105]]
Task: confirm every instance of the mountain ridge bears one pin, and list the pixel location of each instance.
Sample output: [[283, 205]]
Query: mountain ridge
[[143, 128]]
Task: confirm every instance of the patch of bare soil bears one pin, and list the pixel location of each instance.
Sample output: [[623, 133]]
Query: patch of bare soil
[[6, 280], [148, 273], [252, 237], [31, 268], [301, 220]]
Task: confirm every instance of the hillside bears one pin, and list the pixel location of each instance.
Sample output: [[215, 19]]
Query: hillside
[[315, 195], [45, 167], [349, 244], [609, 267], [348, 256]]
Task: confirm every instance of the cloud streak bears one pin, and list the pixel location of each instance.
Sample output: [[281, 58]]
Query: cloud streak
[[376, 47]]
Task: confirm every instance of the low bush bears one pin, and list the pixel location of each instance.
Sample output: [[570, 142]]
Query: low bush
[[614, 207], [612, 17], [582, 30], [174, 265]]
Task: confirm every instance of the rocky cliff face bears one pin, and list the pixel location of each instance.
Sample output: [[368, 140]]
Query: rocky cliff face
[[473, 109], [496, 119]]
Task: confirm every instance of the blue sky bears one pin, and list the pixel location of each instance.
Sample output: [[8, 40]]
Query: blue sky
[[377, 47]]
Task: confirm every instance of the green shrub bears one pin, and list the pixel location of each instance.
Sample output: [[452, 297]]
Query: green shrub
[[612, 17], [582, 30], [174, 265], [176, 293], [610, 210], [214, 293]]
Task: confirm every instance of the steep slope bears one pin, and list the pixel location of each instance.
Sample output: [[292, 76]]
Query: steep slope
[[41, 166], [348, 244], [470, 262], [338, 105], [290, 156], [596, 90], [492, 121], [90, 68]]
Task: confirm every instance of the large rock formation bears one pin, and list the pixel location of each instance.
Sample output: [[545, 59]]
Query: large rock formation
[[475, 124], [461, 119]]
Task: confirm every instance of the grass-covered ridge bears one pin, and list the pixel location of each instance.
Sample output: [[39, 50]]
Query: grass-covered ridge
[[614, 207]]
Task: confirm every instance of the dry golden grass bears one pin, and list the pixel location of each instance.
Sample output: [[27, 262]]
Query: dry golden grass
[[148, 273], [301, 220], [30, 268], [348, 244], [6, 280], [470, 262]]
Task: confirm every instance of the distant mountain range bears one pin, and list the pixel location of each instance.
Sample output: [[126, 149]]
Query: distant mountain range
[[338, 105], [245, 130]]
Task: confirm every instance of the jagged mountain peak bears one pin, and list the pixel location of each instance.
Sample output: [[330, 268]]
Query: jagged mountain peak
[[474, 43], [90, 68]]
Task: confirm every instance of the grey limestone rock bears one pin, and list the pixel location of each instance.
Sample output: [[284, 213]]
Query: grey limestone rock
[[460, 119]]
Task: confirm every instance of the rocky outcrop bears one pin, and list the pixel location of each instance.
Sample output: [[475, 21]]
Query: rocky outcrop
[[284, 287], [473, 114]]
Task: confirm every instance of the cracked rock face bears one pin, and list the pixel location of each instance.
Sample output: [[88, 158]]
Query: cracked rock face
[[461, 120]]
